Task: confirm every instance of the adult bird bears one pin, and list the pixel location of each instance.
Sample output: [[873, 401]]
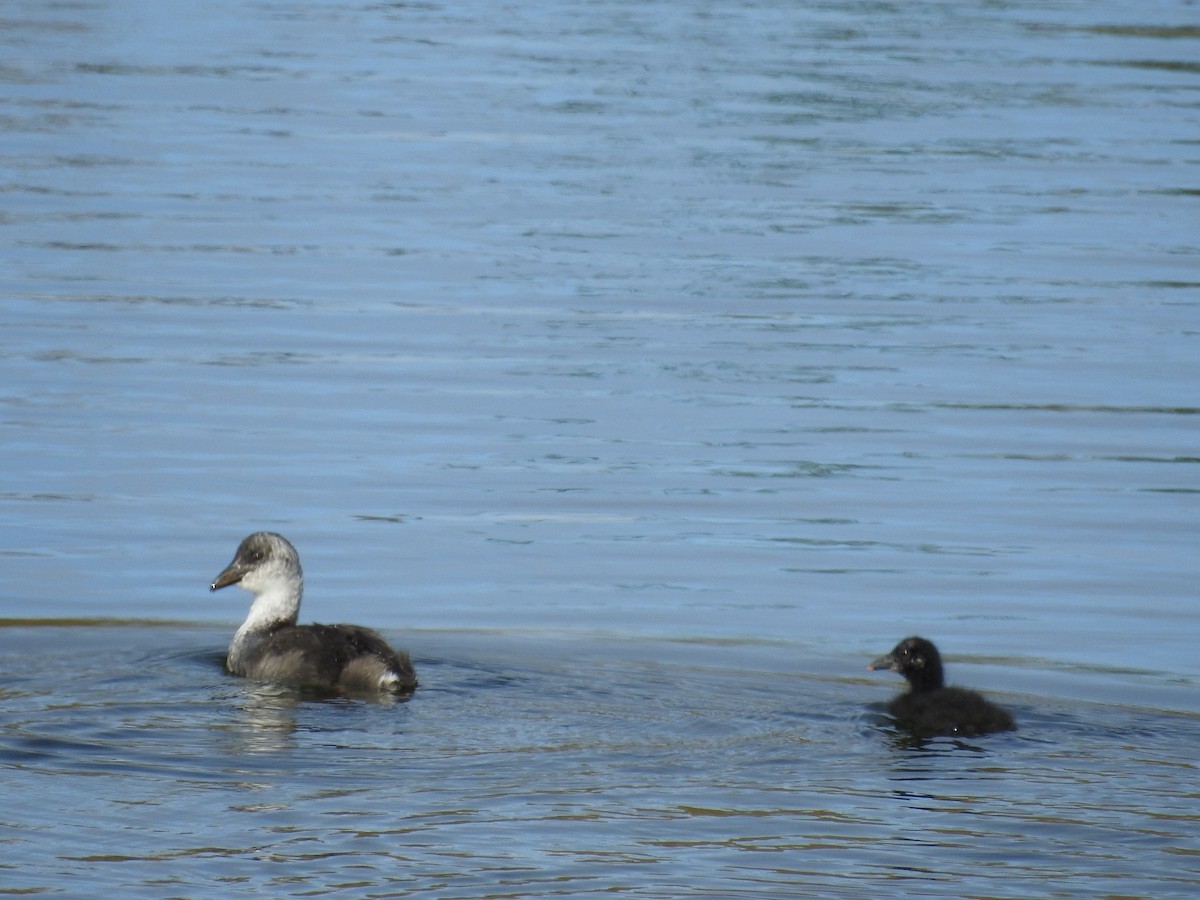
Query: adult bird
[[270, 646]]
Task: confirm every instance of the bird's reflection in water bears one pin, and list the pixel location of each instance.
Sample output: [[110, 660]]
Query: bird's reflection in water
[[265, 720]]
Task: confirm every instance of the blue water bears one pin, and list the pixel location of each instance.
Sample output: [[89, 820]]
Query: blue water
[[645, 369]]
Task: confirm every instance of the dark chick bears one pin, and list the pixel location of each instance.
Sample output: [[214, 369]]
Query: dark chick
[[928, 708]]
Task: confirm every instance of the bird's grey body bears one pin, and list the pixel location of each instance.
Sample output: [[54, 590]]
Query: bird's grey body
[[270, 646]]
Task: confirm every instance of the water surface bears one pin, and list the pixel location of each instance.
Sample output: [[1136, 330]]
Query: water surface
[[646, 369], [556, 766]]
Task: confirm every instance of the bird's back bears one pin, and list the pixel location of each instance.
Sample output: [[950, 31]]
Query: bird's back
[[949, 711], [344, 658]]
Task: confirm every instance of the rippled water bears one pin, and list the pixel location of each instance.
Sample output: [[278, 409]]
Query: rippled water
[[646, 369], [553, 766]]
